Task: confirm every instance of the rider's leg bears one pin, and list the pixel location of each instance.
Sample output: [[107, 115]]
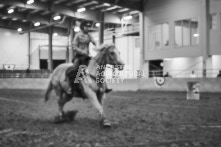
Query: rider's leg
[[107, 90], [80, 60], [75, 62]]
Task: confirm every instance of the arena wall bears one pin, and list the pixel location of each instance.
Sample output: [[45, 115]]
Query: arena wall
[[13, 49], [171, 84]]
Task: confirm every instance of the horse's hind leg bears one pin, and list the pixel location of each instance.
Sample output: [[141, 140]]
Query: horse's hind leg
[[48, 91]]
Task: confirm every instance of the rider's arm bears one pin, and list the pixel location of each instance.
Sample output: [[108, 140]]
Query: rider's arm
[[76, 44], [92, 40]]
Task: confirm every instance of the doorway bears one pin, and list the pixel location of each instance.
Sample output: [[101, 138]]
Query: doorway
[[156, 68]]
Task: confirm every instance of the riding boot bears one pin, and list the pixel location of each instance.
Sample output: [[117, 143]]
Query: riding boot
[[108, 90], [69, 91]]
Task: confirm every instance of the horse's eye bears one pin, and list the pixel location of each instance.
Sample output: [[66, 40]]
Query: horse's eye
[[112, 53]]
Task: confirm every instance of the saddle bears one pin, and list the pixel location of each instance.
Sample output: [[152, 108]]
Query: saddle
[[78, 60], [72, 72]]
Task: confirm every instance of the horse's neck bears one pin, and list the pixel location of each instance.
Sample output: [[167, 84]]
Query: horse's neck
[[96, 67], [92, 67]]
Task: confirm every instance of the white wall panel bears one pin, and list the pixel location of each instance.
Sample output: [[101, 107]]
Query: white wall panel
[[216, 64], [13, 49], [39, 47]]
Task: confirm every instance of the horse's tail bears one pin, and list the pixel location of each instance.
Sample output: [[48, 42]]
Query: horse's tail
[[48, 91]]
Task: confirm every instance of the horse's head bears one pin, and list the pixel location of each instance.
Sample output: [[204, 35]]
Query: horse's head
[[109, 54]]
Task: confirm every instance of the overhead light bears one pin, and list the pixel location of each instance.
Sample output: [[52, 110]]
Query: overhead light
[[30, 2], [24, 20], [195, 35], [55, 34], [14, 19], [57, 17], [19, 29], [128, 17], [4, 17], [97, 24], [134, 12], [37, 24], [106, 4], [76, 29], [110, 8], [10, 11], [123, 10], [81, 9]]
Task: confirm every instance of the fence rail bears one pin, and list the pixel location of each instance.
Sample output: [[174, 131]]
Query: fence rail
[[210, 73], [154, 73], [23, 75]]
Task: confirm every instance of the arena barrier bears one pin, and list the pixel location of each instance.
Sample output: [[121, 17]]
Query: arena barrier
[[180, 84], [169, 84], [24, 83]]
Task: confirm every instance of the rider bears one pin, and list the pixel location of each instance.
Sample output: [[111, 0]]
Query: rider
[[81, 47]]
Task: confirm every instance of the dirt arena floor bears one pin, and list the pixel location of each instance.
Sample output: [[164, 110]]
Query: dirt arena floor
[[141, 119]]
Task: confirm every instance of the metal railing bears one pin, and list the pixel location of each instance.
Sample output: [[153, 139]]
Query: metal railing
[[198, 73], [24, 74]]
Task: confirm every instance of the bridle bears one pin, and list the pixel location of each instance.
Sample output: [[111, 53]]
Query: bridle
[[94, 58]]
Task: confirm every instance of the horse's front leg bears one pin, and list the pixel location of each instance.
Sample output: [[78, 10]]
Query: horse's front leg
[[91, 95], [104, 121], [97, 101]]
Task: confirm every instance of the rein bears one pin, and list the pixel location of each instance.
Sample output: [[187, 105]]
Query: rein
[[101, 68], [99, 72]]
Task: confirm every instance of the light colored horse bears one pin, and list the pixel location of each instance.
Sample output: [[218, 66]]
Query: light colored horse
[[93, 90]]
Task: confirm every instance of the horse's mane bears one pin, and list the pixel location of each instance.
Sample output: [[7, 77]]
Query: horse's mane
[[101, 51], [104, 46]]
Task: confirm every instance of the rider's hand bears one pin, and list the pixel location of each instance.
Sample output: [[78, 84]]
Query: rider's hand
[[85, 53]]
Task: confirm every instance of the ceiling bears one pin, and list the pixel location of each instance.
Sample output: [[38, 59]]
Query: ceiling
[[43, 11]]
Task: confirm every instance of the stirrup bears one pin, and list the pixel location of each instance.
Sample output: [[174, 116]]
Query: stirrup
[[69, 91]]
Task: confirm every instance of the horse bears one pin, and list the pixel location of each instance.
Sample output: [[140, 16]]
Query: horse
[[93, 90]]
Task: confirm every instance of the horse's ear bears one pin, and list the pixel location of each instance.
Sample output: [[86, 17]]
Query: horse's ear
[[112, 44], [97, 48]]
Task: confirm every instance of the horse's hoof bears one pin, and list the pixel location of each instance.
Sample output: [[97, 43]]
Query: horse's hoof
[[70, 115], [67, 116], [58, 119], [105, 123]]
